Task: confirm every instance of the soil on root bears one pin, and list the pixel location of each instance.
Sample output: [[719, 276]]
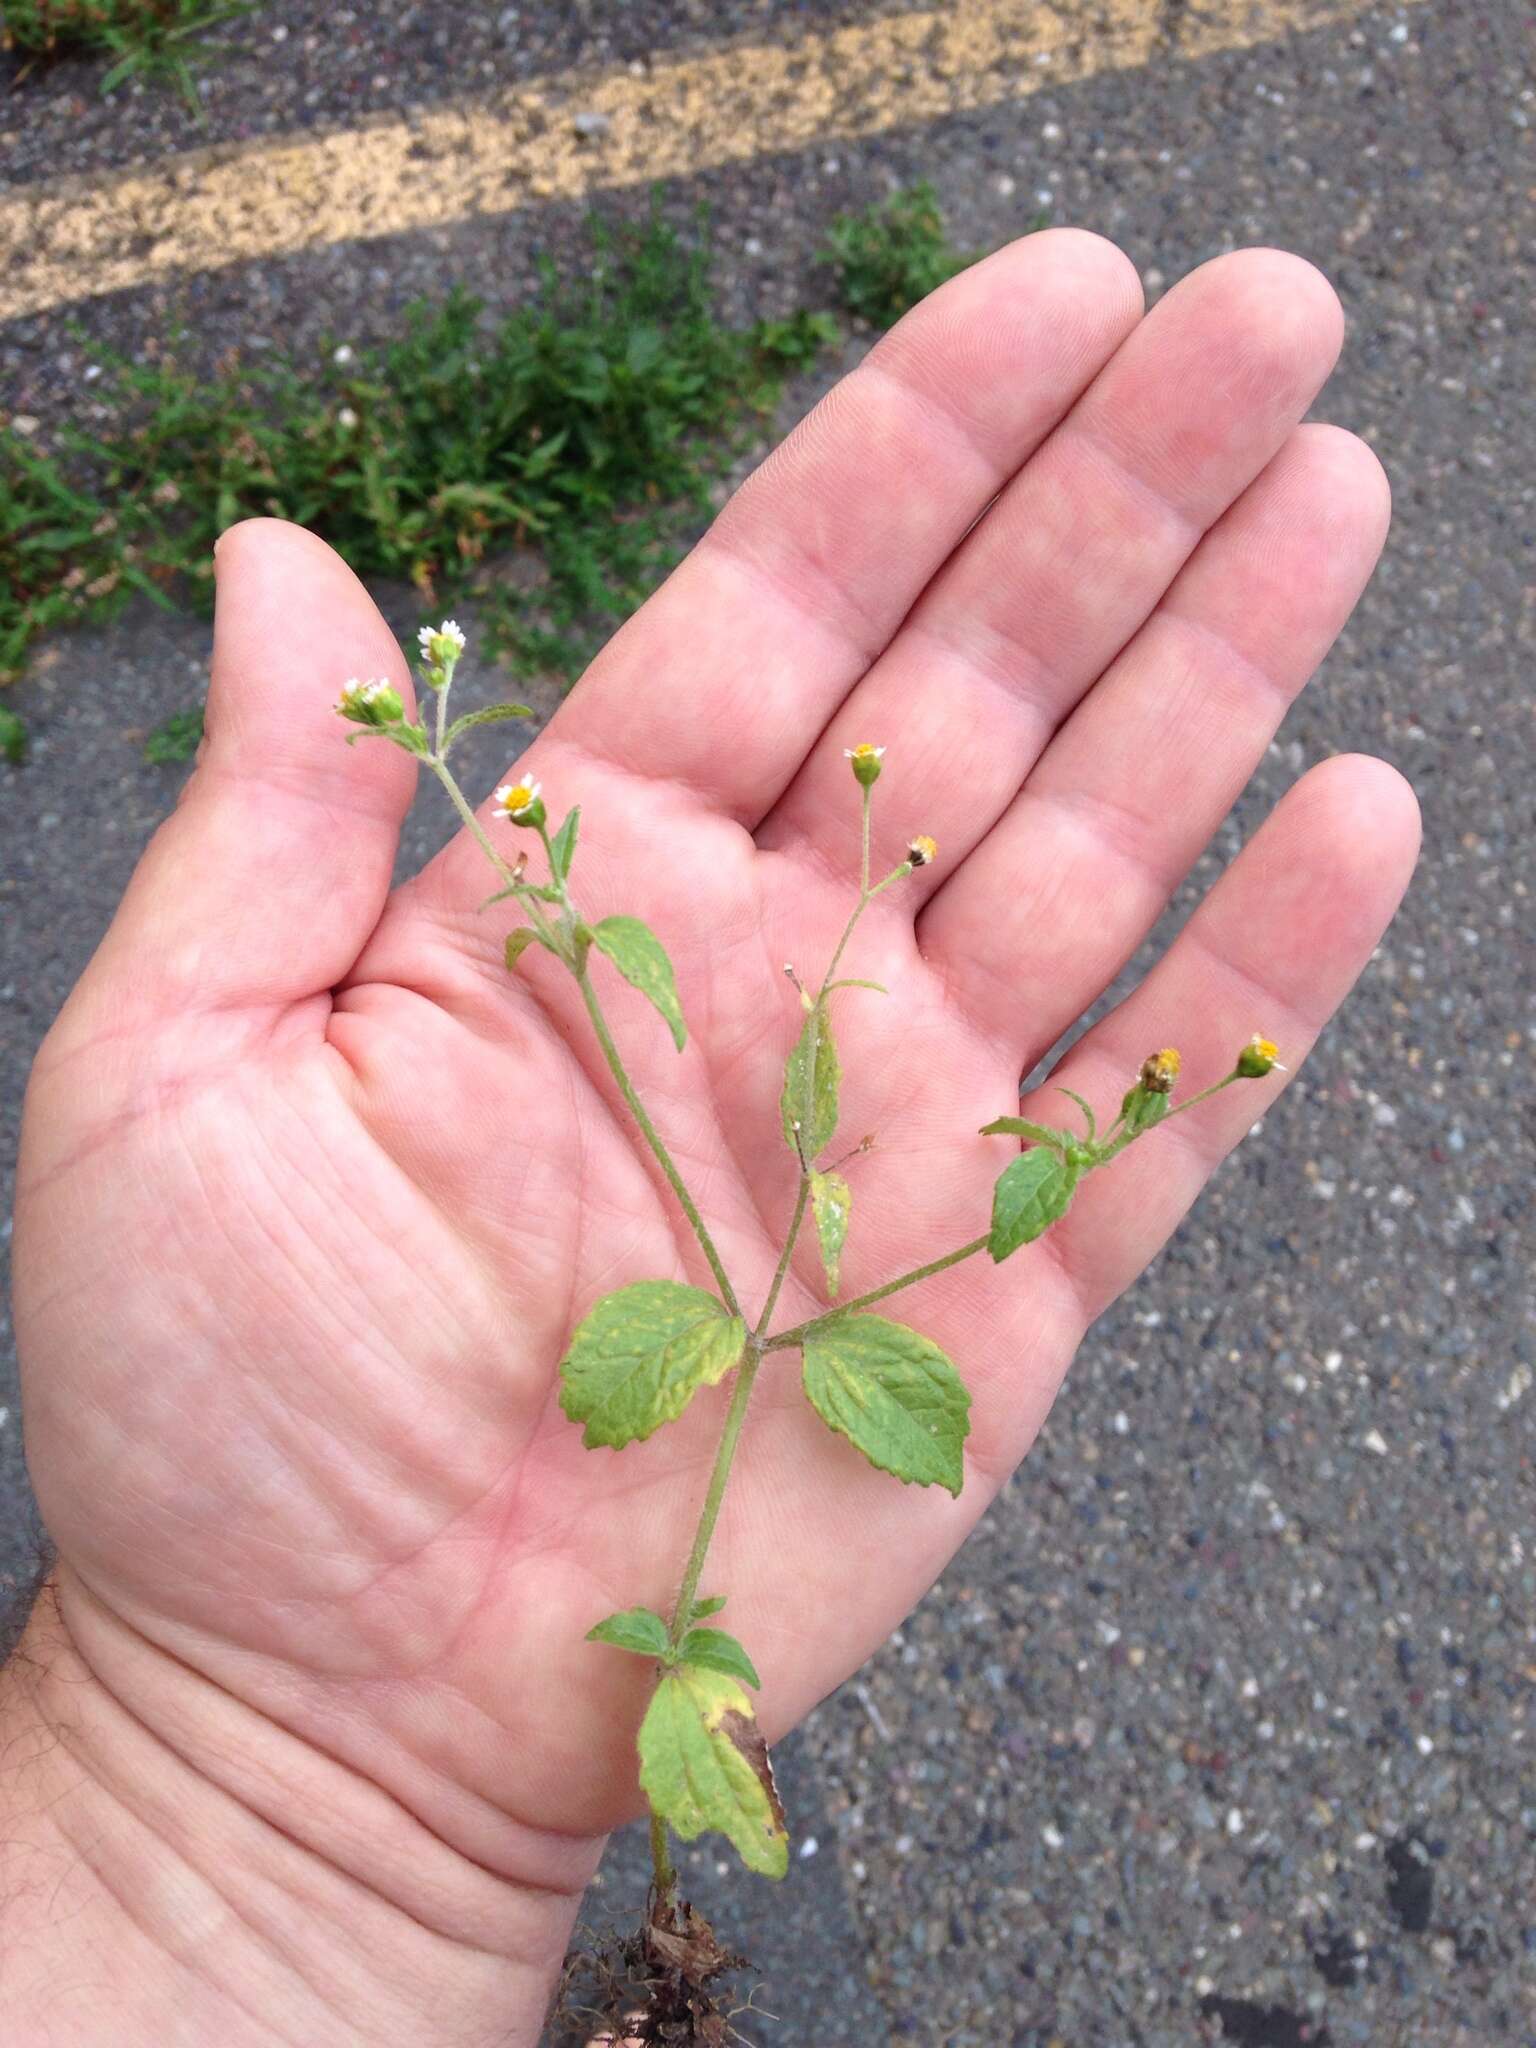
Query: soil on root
[[666, 1986]]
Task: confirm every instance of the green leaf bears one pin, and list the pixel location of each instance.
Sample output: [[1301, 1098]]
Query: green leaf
[[1031, 1192], [853, 982], [13, 738], [563, 846], [818, 1118], [1021, 1127], [831, 1205], [1142, 1108], [520, 940], [491, 715], [893, 1394], [642, 960], [1087, 1109], [638, 1358], [713, 1649], [712, 1605], [704, 1765], [637, 1628]]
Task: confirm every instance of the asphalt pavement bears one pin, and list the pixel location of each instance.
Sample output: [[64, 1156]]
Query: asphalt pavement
[[1220, 1728]]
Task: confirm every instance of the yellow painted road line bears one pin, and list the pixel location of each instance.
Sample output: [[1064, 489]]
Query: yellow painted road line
[[78, 237]]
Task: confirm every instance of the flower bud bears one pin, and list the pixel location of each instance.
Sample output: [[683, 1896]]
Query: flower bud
[[922, 851], [1260, 1056], [1160, 1070], [441, 647], [375, 703], [865, 760], [521, 802]]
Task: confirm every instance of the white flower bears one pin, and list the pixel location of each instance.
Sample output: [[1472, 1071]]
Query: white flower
[[346, 417], [514, 799], [343, 355], [449, 630], [863, 752]]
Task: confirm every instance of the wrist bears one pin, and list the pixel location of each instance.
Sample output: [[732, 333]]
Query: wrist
[[175, 1866]]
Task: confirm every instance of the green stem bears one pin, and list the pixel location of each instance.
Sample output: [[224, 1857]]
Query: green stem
[[788, 1339], [653, 1138], [781, 1271], [746, 1373], [665, 1876], [484, 841]]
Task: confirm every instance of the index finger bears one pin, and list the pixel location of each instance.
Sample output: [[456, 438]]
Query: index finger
[[725, 678]]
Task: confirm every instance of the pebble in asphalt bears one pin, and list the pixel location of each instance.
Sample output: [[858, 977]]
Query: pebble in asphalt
[[1219, 1728]]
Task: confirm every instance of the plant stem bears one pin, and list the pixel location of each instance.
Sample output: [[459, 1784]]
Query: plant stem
[[787, 1339], [483, 840], [653, 1138], [665, 1877], [746, 1373]]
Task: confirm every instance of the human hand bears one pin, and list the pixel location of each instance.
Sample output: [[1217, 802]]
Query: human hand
[[312, 1192]]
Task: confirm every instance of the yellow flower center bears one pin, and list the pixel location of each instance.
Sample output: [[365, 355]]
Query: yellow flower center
[[1168, 1059], [1265, 1048], [864, 752], [518, 799], [922, 851]]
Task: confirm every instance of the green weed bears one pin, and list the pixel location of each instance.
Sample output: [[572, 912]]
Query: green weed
[[144, 38], [891, 255], [576, 440]]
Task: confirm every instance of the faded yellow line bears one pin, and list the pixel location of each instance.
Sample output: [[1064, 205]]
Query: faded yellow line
[[79, 237]]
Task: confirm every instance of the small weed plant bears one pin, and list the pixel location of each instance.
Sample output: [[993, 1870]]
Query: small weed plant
[[638, 1356], [143, 38], [891, 255], [585, 429]]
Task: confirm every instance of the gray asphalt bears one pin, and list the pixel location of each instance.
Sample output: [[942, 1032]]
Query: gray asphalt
[[1220, 1728]]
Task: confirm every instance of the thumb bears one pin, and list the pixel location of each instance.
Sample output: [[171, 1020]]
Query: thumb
[[263, 885]]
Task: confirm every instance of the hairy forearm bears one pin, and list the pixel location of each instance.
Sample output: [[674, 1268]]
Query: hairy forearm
[[174, 1868]]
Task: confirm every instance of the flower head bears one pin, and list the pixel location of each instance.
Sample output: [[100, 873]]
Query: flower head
[[866, 763], [1260, 1056], [521, 802], [922, 851], [372, 703], [1160, 1070], [441, 647]]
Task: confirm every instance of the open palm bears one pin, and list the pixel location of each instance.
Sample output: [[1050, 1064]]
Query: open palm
[[313, 1192]]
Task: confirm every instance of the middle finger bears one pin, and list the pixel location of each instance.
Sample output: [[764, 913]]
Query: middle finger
[[1070, 560]]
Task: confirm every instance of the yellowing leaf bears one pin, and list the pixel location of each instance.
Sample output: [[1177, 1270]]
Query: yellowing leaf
[[831, 1205], [704, 1766], [637, 1359], [893, 1394], [642, 960], [813, 1110]]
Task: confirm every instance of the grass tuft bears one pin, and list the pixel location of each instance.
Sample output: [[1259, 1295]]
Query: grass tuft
[[552, 463], [143, 38], [891, 255]]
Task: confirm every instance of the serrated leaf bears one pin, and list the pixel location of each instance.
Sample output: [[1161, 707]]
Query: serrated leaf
[[831, 1206], [1031, 1192], [563, 846], [639, 1629], [642, 960], [712, 1605], [493, 714], [704, 1766], [641, 1354], [893, 1394], [715, 1649], [817, 1114], [1021, 1127]]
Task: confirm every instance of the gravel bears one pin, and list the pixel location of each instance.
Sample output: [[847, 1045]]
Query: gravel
[[1220, 1727]]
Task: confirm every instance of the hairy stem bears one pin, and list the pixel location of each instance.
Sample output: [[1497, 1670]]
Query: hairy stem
[[720, 1472], [788, 1339], [653, 1138]]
